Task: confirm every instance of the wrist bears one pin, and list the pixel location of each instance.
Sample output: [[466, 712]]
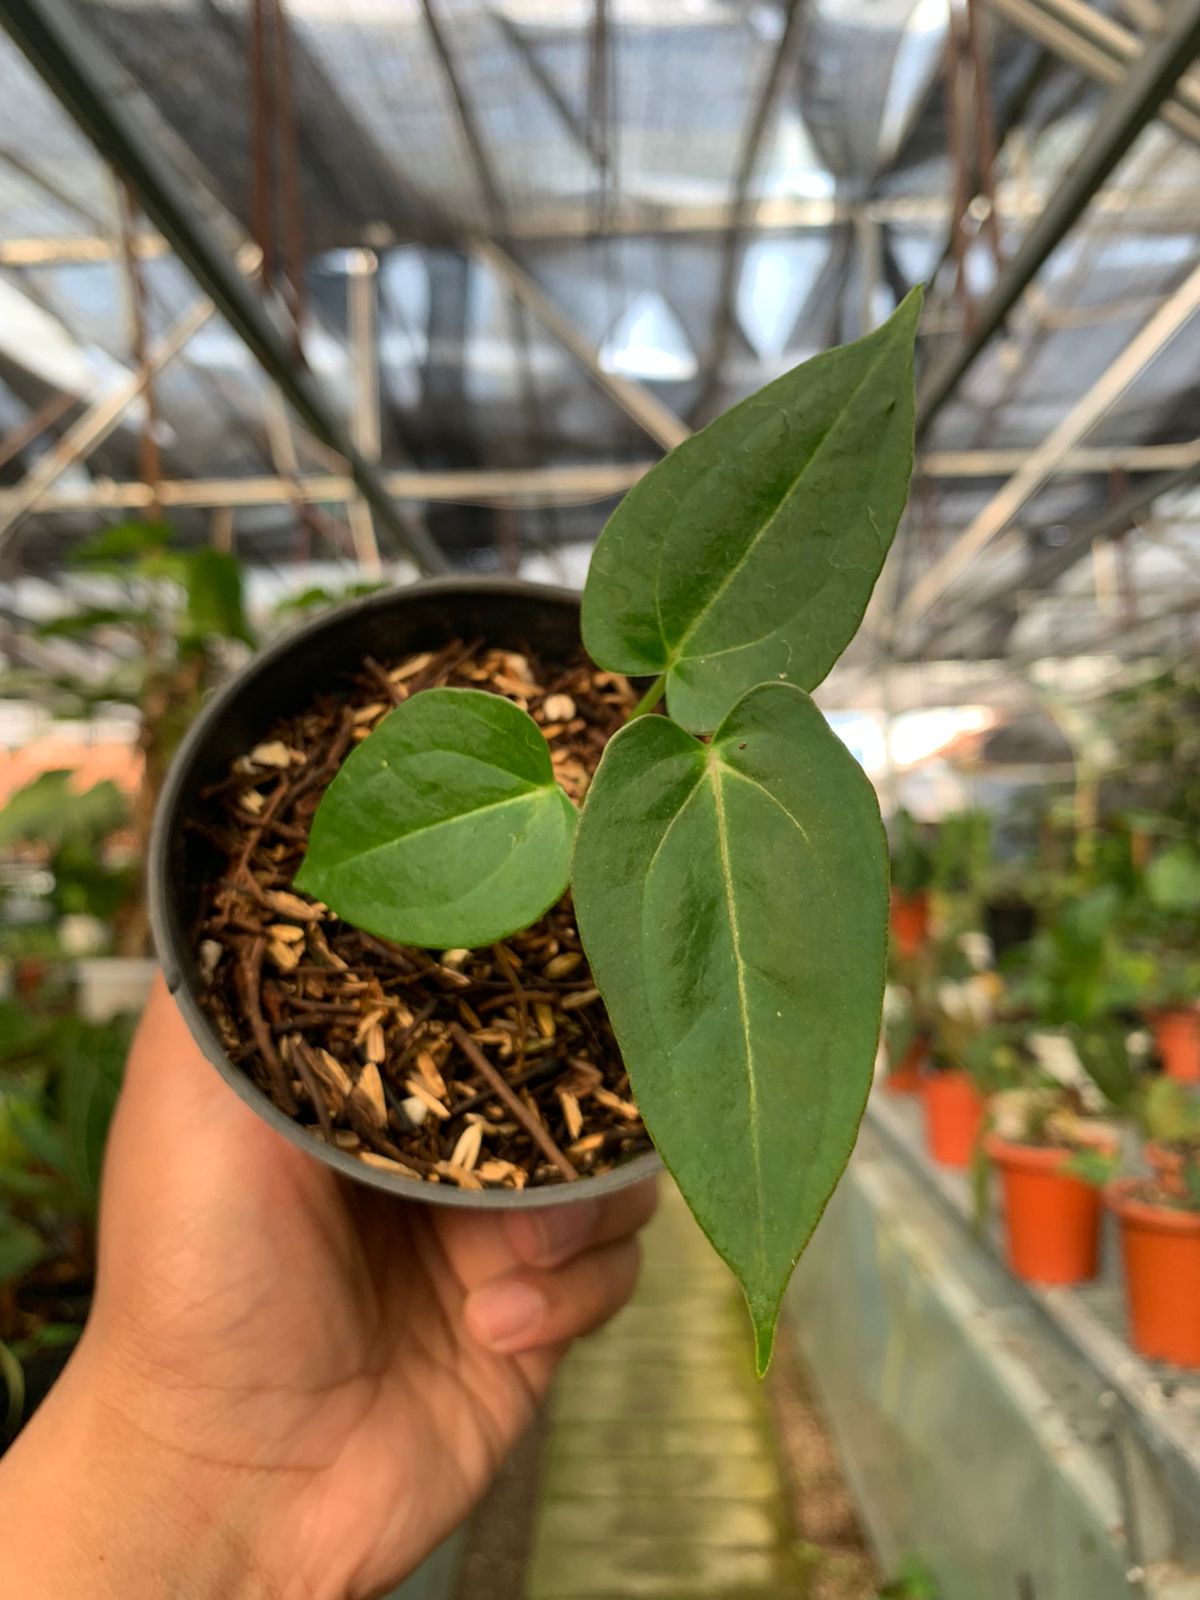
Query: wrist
[[100, 1502]]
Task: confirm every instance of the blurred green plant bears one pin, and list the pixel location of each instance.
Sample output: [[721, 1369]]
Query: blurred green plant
[[913, 1581], [318, 598], [59, 1079], [962, 853], [166, 624], [911, 854], [72, 828]]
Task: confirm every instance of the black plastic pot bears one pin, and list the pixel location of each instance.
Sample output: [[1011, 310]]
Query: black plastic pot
[[1009, 924], [506, 612]]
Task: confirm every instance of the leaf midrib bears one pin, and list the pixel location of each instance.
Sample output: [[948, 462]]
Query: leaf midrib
[[739, 965], [675, 652], [447, 822]]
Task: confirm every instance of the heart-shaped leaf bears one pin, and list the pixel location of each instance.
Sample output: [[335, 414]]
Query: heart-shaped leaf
[[732, 898], [445, 827], [749, 553]]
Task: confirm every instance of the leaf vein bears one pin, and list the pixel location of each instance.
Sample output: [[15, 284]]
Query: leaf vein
[[739, 967]]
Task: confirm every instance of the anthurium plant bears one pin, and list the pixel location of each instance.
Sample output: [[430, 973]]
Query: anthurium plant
[[729, 868]]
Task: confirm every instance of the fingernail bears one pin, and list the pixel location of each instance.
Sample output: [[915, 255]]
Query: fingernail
[[505, 1313], [558, 1229]]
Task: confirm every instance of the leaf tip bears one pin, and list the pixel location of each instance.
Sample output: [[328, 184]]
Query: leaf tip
[[764, 1339]]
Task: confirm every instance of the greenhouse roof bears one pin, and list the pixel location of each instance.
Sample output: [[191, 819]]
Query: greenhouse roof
[[541, 241]]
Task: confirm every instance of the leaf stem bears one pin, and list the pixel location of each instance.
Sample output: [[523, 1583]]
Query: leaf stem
[[650, 699]]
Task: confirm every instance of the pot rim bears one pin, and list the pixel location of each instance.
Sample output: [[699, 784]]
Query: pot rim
[[1039, 1157], [173, 952], [1146, 1215]]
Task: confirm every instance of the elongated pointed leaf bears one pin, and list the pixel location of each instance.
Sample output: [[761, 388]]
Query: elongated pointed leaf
[[732, 899], [445, 827], [748, 555]]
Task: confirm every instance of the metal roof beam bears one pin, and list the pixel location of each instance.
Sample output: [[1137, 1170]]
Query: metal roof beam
[[79, 71], [1117, 125], [534, 486], [1041, 462]]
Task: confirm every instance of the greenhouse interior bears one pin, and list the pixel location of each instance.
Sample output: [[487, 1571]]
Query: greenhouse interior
[[499, 501]]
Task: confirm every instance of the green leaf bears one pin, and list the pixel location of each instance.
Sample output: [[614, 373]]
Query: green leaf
[[749, 554], [445, 827], [21, 1248], [12, 1378], [51, 811], [1173, 880], [732, 899], [212, 580], [75, 624], [92, 1066], [124, 541]]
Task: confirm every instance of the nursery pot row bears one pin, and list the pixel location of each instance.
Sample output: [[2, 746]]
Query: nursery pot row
[[1160, 1247], [1177, 1036], [1051, 1217], [506, 613], [909, 919], [954, 1113], [908, 1075]]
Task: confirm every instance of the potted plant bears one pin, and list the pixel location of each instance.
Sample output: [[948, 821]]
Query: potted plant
[[1159, 1221], [59, 1077], [969, 1057], [1053, 1149], [912, 874], [1009, 911], [81, 838], [360, 867], [1168, 1113], [160, 626], [906, 1044], [1168, 924]]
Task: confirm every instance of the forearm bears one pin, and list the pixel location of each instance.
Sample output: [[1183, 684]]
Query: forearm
[[96, 1509]]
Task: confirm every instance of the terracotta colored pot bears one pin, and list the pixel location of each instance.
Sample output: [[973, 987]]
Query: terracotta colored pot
[[909, 920], [954, 1111], [1177, 1035], [907, 1076], [1051, 1219], [1161, 1249]]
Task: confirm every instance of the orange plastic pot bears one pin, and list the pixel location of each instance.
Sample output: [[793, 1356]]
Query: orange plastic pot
[[907, 1076], [1051, 1218], [1177, 1035], [1161, 1250], [954, 1110], [909, 920]]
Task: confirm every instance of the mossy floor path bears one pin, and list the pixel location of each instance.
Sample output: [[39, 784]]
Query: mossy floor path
[[661, 1476]]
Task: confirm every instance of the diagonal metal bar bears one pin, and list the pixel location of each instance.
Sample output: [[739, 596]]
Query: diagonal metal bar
[[78, 69], [659, 421], [1041, 462], [1046, 568], [573, 124], [741, 208], [1093, 52], [99, 420], [1117, 126]]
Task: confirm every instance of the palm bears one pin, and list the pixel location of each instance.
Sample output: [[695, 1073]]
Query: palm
[[329, 1318]]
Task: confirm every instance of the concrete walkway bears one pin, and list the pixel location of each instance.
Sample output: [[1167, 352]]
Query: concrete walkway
[[660, 1477]]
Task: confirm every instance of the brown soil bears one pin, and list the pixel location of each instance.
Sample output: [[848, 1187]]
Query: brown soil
[[488, 1068]]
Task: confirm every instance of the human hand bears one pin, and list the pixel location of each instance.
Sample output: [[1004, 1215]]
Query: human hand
[[290, 1385]]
